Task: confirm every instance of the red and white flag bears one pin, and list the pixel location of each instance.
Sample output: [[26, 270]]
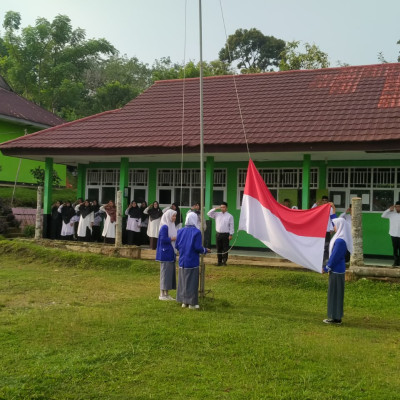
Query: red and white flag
[[297, 235]]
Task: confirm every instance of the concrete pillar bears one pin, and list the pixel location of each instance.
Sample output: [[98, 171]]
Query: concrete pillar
[[124, 179], [357, 258], [38, 221], [118, 223], [305, 196], [81, 181]]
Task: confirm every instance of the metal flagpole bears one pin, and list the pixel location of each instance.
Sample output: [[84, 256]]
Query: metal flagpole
[[202, 265]]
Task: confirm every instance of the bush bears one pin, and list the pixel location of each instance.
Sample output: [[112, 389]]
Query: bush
[[29, 231], [39, 173]]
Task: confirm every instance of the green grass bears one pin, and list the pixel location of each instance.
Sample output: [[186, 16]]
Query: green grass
[[27, 196], [90, 327]]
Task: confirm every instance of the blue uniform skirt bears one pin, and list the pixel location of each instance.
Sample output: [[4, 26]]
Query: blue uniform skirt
[[167, 275], [188, 286]]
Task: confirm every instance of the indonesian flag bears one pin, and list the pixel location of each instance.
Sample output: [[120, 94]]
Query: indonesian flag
[[297, 235]]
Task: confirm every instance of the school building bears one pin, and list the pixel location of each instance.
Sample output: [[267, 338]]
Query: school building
[[332, 131], [19, 117]]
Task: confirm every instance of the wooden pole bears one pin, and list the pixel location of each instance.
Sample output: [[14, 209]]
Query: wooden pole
[[38, 221], [357, 258], [118, 224]]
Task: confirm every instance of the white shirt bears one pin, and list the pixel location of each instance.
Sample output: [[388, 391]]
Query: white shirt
[[394, 221], [346, 217], [223, 221]]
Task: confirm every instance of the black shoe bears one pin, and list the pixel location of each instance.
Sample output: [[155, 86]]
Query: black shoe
[[224, 263], [219, 264]]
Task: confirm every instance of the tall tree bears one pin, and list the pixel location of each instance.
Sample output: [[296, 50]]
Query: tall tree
[[43, 58], [312, 58], [252, 50]]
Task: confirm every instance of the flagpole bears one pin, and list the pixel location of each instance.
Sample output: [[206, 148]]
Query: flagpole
[[202, 265]]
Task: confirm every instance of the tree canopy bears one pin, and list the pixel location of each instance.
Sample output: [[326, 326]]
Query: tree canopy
[[312, 58], [252, 50]]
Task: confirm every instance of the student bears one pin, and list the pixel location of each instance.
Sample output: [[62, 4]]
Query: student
[[347, 215], [86, 219], [196, 209], [336, 266], [96, 230], [329, 228], [287, 203], [68, 219], [175, 207], [109, 223], [393, 215], [188, 243], [56, 221], [133, 223], [155, 215], [144, 239], [166, 254], [224, 227]]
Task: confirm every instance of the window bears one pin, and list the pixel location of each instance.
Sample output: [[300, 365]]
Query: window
[[376, 186], [183, 186]]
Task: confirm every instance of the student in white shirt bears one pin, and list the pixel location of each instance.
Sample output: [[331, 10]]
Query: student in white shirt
[[393, 215], [225, 229]]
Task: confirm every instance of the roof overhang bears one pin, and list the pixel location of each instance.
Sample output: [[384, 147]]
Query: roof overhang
[[23, 122]]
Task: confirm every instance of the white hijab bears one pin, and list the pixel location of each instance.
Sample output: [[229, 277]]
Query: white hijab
[[342, 232], [191, 219], [166, 219]]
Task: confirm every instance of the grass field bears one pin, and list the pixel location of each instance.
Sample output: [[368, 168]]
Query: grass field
[[26, 196], [90, 327]]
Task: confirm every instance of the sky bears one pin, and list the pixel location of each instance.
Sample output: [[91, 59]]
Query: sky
[[349, 31]]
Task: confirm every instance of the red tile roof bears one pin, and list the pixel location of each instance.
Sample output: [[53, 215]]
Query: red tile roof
[[16, 107], [350, 108]]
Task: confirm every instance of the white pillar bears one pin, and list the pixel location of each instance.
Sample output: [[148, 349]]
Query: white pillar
[[38, 221], [118, 225], [357, 258]]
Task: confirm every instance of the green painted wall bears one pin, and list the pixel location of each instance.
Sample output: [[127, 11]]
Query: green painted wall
[[9, 165]]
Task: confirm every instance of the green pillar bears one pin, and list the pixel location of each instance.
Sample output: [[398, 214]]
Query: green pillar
[[209, 183], [48, 185], [322, 176], [152, 193], [124, 180], [305, 200], [81, 181]]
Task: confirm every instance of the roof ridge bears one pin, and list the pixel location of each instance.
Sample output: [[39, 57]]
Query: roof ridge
[[273, 73]]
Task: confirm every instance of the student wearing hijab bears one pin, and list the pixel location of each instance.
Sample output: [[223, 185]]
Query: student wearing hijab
[[175, 207], [109, 224], [155, 215], [86, 219], [336, 266], [96, 231], [189, 245], [56, 221], [68, 219], [144, 239], [134, 214], [166, 254]]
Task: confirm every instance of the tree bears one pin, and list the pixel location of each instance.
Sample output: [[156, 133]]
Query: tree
[[39, 174], [43, 57], [253, 51], [313, 58], [164, 69]]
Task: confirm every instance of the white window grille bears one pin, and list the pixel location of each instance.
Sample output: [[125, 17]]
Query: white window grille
[[289, 178], [360, 177], [165, 177], [138, 177], [110, 177], [338, 177], [384, 177], [219, 177], [93, 176], [270, 177]]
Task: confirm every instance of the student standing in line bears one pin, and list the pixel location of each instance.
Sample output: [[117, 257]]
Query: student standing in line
[[56, 221], [393, 215], [336, 266], [189, 245], [96, 231], [86, 219], [153, 227], [144, 239], [178, 220], [68, 219], [225, 229], [166, 254], [133, 223], [109, 223]]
